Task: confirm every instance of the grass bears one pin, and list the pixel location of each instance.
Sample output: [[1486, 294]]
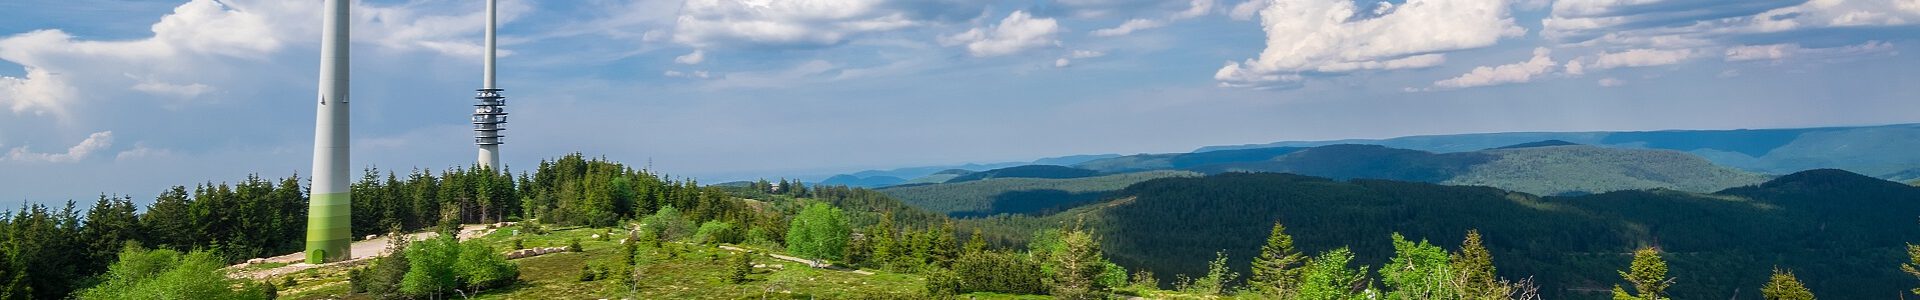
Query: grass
[[692, 272]]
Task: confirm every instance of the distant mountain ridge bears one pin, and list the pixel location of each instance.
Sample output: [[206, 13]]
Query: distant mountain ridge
[[1879, 151]]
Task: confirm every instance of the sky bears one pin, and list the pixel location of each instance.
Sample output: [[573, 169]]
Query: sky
[[133, 96]]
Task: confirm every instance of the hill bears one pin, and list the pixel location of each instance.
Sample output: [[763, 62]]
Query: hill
[[1546, 143], [942, 176], [1872, 150], [1018, 195], [1843, 231], [1563, 170], [865, 182], [1027, 171]]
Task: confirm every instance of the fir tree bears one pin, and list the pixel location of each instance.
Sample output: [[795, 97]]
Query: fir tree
[[1647, 274], [1473, 268], [1275, 272], [1784, 286]]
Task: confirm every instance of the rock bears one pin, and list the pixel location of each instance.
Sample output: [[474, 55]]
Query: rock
[[371, 236], [257, 261], [596, 236]]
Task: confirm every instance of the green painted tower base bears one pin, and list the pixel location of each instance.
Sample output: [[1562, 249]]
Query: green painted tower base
[[329, 235]]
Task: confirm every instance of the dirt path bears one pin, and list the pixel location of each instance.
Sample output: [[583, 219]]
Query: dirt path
[[361, 250], [809, 262]]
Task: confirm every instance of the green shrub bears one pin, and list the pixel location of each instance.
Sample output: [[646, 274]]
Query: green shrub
[[587, 273], [716, 232], [441, 265], [168, 274], [573, 245], [741, 265]]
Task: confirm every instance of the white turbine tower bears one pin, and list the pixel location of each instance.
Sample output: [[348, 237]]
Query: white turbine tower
[[490, 113], [328, 212]]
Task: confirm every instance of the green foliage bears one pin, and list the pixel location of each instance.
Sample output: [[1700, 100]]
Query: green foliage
[[1217, 280], [943, 283], [818, 232], [1647, 275], [573, 245], [1077, 264], [668, 224], [1784, 286], [1144, 280], [1822, 224], [999, 272], [717, 232], [168, 274], [1328, 277], [1419, 271], [383, 276], [739, 266], [1912, 266], [1474, 271], [1277, 267], [442, 265], [758, 236]]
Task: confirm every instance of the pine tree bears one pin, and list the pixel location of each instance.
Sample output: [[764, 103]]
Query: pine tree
[[1473, 268], [1077, 267], [1647, 274], [1784, 286], [976, 244], [1275, 272], [1912, 267]]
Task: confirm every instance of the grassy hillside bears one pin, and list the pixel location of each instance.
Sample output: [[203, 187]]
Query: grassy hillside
[[1844, 233], [1558, 170], [1018, 195], [1027, 171]]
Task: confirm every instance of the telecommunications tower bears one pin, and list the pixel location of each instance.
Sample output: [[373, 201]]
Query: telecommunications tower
[[490, 113], [328, 235]]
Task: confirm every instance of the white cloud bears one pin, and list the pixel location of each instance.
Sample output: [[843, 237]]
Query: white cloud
[[1503, 74], [1574, 67], [1195, 9], [1782, 51], [142, 151], [1129, 27], [183, 91], [1018, 31], [1641, 58], [1611, 82], [1076, 54], [40, 92], [200, 46], [1247, 10], [1709, 23], [708, 23], [1338, 36], [94, 142], [694, 58], [695, 74]]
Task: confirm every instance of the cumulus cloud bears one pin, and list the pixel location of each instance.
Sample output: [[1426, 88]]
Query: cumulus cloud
[[1641, 58], [1331, 36], [1503, 74], [94, 142], [694, 58], [708, 23], [194, 49], [1017, 32], [1196, 8]]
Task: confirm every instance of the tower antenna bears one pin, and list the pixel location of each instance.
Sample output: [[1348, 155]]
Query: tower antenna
[[490, 113]]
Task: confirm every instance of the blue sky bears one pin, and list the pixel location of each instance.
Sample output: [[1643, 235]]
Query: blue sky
[[131, 96]]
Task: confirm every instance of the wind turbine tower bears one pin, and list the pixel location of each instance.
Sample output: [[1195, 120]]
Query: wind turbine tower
[[490, 113], [328, 223]]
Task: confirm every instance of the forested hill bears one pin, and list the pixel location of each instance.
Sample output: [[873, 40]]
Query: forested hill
[[1842, 232], [1544, 168]]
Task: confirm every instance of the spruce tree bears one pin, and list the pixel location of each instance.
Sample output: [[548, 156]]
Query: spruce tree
[[1275, 272], [1473, 267], [1077, 267], [1784, 286], [1647, 274], [1912, 266], [976, 244]]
